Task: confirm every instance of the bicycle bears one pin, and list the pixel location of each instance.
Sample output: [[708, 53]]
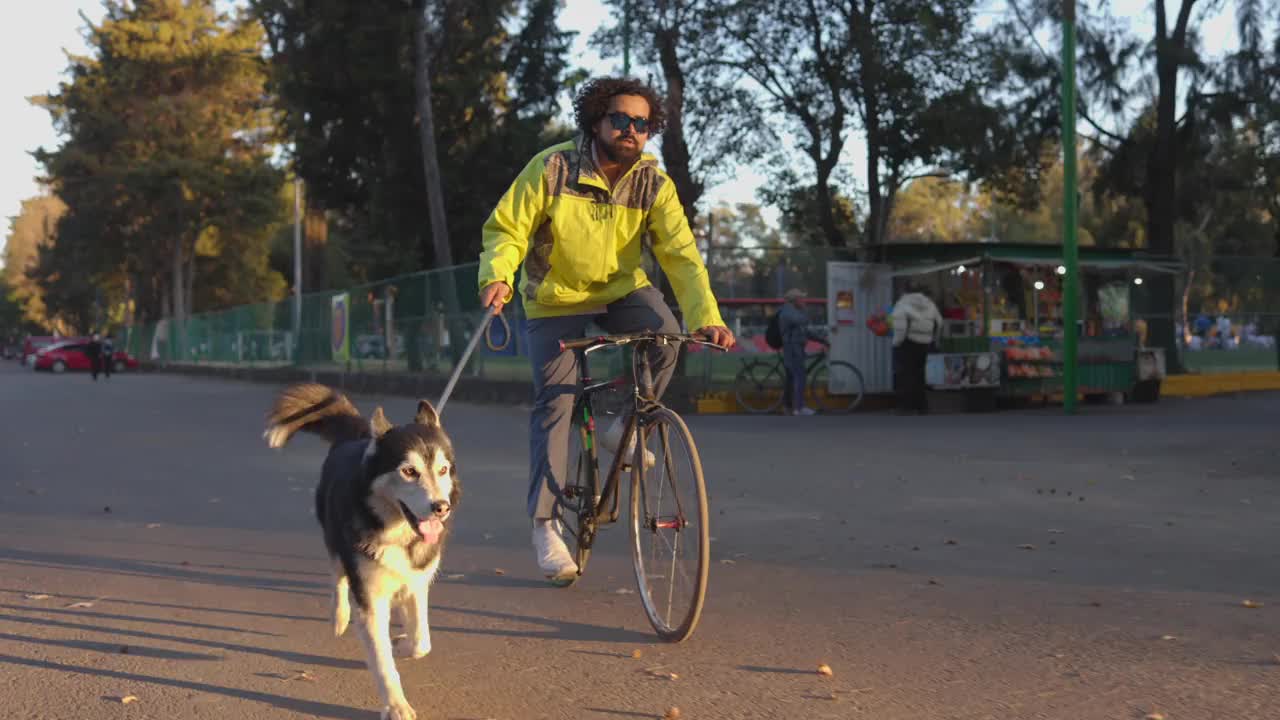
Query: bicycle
[[760, 385], [668, 508]]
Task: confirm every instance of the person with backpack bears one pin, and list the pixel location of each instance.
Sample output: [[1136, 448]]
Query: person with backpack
[[788, 331]]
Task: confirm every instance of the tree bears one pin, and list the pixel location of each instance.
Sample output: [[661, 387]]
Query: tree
[[901, 71], [165, 131], [344, 75], [34, 227], [1131, 93], [681, 41], [796, 56]]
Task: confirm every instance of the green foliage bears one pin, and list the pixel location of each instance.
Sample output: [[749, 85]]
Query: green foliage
[[343, 76], [164, 131]]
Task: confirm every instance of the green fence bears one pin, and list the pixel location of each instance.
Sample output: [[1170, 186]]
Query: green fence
[[406, 324]]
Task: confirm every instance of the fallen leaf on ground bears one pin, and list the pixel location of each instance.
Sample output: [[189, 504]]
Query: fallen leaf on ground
[[1251, 604], [81, 604], [37, 596], [499, 571], [1154, 716], [825, 669], [300, 675], [672, 714], [727, 561], [1027, 546], [636, 654], [125, 700]]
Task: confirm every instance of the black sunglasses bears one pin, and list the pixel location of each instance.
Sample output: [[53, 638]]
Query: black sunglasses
[[621, 121]]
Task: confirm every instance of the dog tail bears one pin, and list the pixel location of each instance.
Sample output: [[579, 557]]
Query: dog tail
[[317, 409]]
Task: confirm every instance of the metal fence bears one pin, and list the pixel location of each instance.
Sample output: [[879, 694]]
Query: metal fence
[[407, 324]]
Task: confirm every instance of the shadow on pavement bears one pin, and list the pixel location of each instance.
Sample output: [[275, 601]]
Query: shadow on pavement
[[144, 568], [285, 655], [302, 707], [169, 606], [110, 648], [136, 619]]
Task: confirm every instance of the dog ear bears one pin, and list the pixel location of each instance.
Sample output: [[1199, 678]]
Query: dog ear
[[426, 414], [378, 423]]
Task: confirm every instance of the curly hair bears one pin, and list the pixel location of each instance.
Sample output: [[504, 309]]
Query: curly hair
[[592, 102]]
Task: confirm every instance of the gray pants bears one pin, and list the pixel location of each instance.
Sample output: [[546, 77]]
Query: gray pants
[[555, 381]]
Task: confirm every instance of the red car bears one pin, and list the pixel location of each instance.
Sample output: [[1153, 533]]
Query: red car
[[65, 356], [34, 344]]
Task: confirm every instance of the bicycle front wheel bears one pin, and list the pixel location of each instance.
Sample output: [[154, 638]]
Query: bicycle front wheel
[[759, 386], [835, 387], [670, 538]]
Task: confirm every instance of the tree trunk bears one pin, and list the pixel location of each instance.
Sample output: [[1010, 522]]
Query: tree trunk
[[431, 170], [315, 236], [675, 151], [826, 209], [189, 294], [1161, 181], [177, 332]]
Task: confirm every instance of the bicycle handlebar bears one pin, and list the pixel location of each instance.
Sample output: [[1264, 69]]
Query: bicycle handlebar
[[592, 343]]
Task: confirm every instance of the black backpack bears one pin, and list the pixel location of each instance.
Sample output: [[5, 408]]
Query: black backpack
[[773, 332]]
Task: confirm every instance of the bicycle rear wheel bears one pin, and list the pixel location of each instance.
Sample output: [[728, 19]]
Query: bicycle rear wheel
[[576, 510], [759, 386], [670, 538], [844, 378]]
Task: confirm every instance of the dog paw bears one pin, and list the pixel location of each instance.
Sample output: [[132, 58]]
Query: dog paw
[[399, 711], [404, 647]]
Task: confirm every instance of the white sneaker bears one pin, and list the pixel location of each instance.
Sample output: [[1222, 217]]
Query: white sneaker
[[612, 437], [553, 555], [805, 411]]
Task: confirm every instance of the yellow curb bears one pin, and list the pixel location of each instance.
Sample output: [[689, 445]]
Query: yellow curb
[[1220, 383]]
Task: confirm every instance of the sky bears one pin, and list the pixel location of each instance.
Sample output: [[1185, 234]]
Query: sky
[[35, 36]]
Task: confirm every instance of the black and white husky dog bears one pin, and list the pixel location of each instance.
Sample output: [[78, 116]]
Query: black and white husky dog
[[384, 498]]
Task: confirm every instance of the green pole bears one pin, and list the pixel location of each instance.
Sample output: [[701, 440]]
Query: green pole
[[1070, 253]]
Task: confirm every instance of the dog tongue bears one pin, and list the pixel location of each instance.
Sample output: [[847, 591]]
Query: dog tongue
[[430, 529]]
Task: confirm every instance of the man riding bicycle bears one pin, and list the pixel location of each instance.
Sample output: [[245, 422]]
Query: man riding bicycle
[[576, 220]]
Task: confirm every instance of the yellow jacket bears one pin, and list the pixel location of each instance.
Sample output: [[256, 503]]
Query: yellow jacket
[[587, 240]]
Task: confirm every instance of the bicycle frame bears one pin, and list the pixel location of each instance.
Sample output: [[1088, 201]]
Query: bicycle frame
[[814, 361], [607, 499]]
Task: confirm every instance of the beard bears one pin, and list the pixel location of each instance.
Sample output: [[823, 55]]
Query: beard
[[619, 151]]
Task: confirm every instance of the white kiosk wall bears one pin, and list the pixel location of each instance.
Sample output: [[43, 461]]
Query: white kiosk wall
[[854, 292]]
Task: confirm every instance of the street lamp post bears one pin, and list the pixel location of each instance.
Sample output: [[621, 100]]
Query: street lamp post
[[1070, 252]]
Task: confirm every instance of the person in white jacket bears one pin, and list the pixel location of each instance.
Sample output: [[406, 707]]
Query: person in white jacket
[[917, 325]]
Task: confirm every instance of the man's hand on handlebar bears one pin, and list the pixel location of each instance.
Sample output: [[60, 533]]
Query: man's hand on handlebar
[[494, 296], [718, 334]]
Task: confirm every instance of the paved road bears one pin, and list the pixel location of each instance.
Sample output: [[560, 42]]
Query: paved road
[[886, 547]]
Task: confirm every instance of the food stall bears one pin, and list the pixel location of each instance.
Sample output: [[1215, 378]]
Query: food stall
[[1003, 321]]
